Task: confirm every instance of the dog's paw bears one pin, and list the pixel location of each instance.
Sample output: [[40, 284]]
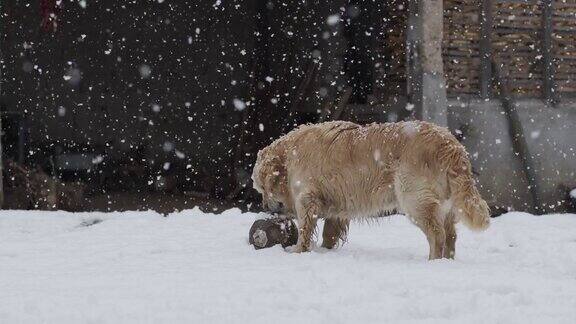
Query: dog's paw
[[295, 249]]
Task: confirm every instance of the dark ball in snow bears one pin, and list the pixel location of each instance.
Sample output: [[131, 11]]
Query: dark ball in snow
[[266, 233]]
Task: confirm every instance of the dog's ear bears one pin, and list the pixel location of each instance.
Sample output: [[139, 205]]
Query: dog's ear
[[273, 168]]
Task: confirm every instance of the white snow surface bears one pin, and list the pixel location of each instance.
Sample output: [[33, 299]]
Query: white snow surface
[[192, 267]]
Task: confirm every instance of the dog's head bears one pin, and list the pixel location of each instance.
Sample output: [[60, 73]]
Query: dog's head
[[270, 179]]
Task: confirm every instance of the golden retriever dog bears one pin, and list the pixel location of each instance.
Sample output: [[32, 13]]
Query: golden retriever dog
[[342, 171]]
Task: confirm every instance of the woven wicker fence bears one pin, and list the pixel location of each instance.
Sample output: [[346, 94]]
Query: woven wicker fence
[[517, 42]]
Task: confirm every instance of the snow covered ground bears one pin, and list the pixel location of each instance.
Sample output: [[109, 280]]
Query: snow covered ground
[[191, 267]]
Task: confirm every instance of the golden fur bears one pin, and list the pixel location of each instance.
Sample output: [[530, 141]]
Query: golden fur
[[342, 171]]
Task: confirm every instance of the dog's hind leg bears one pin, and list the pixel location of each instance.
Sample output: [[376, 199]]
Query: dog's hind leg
[[424, 211], [450, 246], [430, 223], [434, 231], [307, 210], [334, 229]]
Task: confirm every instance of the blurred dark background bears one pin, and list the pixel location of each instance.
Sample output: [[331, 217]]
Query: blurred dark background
[[158, 96], [163, 104]]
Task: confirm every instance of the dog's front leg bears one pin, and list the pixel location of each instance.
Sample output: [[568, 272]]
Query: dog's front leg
[[334, 229], [307, 210]]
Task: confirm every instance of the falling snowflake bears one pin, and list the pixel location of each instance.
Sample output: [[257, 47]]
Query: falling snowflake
[[239, 105], [145, 71], [333, 20]]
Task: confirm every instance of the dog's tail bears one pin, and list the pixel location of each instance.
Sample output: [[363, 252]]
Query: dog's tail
[[468, 205]]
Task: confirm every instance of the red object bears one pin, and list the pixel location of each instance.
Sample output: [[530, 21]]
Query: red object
[[49, 10]]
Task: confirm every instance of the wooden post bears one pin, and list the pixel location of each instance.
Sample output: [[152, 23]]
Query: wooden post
[[486, 50], [426, 83], [547, 52]]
